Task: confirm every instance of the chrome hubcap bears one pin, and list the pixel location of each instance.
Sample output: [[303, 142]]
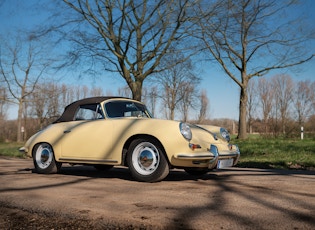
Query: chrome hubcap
[[145, 158], [44, 156]]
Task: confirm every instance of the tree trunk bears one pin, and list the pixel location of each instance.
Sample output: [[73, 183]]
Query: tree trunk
[[19, 125], [172, 115], [136, 90], [242, 134]]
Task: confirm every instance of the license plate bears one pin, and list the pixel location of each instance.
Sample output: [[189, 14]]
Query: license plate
[[225, 163]]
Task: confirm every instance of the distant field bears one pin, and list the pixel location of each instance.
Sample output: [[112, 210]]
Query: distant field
[[262, 152], [256, 152]]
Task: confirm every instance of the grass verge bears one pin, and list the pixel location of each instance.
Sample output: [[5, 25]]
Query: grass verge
[[256, 152], [11, 149], [259, 152]]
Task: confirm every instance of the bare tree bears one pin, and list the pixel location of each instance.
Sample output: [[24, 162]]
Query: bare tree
[[3, 103], [189, 98], [124, 92], [129, 36], [265, 97], [21, 69], [3, 111], [66, 95], [249, 38], [303, 99], [44, 103], [37, 104], [204, 107], [251, 104], [179, 84], [150, 98], [170, 102], [283, 88], [96, 91]]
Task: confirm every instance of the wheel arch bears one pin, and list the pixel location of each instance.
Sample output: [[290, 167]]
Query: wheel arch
[[141, 136]]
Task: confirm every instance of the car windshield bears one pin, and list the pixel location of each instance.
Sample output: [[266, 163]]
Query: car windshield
[[126, 109]]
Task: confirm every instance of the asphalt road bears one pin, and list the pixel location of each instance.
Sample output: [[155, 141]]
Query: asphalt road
[[234, 198]]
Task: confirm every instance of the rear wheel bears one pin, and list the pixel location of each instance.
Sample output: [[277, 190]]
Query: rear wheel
[[44, 159], [146, 161]]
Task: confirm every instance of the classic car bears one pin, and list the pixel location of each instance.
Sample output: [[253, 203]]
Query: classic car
[[110, 131]]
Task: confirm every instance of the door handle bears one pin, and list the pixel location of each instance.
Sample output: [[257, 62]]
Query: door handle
[[67, 131]]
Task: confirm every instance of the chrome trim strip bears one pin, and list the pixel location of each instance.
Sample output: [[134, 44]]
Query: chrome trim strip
[[180, 156], [86, 160], [230, 155]]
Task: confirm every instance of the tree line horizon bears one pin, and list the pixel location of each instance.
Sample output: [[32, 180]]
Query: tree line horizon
[[280, 107], [140, 40]]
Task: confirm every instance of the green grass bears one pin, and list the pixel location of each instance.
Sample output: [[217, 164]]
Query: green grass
[[256, 152], [11, 149], [259, 152]]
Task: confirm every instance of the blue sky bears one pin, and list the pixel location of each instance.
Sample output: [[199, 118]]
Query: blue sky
[[223, 93]]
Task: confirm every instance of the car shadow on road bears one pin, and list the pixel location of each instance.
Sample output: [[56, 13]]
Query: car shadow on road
[[124, 174], [285, 202], [176, 174]]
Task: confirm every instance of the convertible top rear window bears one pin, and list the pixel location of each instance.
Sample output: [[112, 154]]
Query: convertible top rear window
[[125, 109]]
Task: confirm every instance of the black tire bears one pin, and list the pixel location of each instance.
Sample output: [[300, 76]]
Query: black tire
[[103, 167], [197, 171], [146, 161], [44, 159]]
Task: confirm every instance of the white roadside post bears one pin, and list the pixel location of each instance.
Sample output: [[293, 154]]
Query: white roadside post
[[22, 131], [302, 133]]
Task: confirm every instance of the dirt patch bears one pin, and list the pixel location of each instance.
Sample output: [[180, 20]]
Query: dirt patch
[[14, 218]]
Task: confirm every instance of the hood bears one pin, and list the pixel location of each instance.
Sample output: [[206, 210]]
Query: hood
[[217, 132]]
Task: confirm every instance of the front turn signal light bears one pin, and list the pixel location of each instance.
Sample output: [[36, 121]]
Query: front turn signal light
[[194, 146]]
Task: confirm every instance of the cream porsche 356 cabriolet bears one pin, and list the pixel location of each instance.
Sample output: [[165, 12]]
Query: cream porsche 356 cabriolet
[[109, 131]]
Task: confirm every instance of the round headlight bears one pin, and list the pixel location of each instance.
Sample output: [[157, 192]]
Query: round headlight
[[225, 134], [185, 131]]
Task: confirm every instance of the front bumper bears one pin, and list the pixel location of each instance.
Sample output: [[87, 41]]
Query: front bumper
[[207, 159]]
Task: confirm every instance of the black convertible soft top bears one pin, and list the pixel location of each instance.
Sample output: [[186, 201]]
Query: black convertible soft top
[[69, 112]]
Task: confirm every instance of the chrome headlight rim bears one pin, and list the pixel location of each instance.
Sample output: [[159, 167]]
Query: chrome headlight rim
[[225, 134], [185, 131]]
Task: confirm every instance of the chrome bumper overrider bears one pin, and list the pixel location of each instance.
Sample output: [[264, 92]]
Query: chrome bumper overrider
[[235, 155]]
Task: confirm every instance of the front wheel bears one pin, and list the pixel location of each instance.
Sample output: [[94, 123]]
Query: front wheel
[[44, 159], [146, 161]]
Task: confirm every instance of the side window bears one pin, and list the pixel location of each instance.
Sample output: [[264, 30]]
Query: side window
[[89, 112]]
